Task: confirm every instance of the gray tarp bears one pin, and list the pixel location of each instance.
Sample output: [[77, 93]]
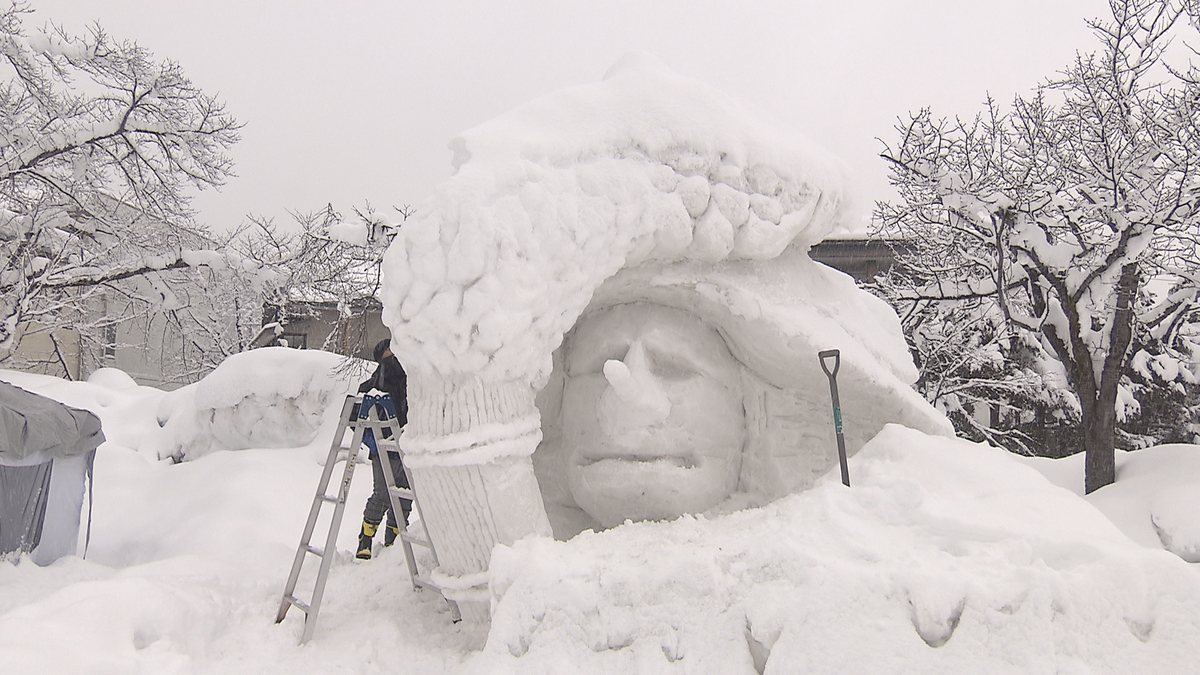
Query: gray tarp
[[34, 426], [39, 509], [23, 494]]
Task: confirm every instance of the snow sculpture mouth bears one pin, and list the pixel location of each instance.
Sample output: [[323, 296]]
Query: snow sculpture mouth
[[682, 462]]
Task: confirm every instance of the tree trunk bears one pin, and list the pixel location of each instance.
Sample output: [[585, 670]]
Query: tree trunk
[[1098, 422], [1099, 419]]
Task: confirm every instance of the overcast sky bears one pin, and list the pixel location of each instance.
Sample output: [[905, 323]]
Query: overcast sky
[[350, 101]]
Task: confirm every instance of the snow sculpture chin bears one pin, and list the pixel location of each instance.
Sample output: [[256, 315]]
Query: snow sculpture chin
[[651, 413], [672, 224]]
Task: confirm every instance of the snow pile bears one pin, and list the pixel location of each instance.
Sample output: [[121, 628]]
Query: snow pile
[[945, 557], [1155, 500], [938, 542], [272, 397], [559, 194], [1173, 514], [126, 410]]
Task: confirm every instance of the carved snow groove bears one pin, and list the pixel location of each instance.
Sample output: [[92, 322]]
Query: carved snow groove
[[935, 631], [1186, 550], [760, 646], [759, 652], [1141, 630]]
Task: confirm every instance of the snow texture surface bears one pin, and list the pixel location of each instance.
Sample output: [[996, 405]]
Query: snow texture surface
[[945, 557]]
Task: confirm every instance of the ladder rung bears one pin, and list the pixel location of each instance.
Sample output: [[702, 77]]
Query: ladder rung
[[422, 581], [301, 605], [327, 498], [402, 492], [414, 539], [319, 552]]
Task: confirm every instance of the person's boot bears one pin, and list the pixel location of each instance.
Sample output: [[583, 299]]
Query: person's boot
[[364, 540], [390, 534]]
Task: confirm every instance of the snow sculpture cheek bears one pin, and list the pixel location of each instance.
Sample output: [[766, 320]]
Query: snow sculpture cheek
[[651, 440]]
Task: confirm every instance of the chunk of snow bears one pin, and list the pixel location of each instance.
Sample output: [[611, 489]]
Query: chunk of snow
[[349, 233], [273, 397], [1174, 513], [213, 259]]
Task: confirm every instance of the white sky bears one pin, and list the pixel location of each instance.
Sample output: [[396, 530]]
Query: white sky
[[352, 101]]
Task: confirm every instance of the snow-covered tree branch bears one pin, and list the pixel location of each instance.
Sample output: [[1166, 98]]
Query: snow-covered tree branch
[[1064, 216], [325, 259], [101, 147]]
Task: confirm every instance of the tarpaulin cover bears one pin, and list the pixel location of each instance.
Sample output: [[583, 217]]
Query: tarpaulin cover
[[35, 429]]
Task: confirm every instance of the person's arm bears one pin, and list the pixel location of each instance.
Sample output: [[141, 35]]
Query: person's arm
[[370, 383]]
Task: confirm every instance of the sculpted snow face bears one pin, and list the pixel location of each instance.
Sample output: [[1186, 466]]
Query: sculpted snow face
[[653, 417]]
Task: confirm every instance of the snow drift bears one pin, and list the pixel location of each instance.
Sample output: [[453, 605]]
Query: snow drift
[[274, 397], [945, 557]]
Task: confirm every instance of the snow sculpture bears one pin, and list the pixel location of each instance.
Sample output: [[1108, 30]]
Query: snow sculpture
[[675, 222]]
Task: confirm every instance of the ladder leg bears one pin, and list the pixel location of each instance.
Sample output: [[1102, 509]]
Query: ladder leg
[[310, 621], [455, 615], [319, 499], [394, 500]]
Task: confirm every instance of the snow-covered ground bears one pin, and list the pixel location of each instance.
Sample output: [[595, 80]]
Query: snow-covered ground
[[943, 557]]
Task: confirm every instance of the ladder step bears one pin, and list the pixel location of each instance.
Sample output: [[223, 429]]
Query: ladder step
[[301, 605], [425, 583], [327, 498], [403, 493], [319, 552], [414, 539]]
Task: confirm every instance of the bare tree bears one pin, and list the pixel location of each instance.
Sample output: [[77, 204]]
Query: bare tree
[[100, 147], [1073, 216]]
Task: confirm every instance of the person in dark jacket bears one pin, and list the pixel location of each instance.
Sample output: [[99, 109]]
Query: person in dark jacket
[[389, 378]]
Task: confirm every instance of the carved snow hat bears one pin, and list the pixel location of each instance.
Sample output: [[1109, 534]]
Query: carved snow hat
[[644, 187]]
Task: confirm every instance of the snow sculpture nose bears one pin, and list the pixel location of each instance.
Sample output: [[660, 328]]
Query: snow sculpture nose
[[637, 399]]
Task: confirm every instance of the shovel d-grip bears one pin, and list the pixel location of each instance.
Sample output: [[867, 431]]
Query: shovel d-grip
[[831, 373]]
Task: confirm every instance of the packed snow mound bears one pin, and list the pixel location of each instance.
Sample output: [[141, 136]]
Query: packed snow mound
[[112, 378], [944, 557], [1155, 499], [126, 412], [1173, 514], [274, 397], [559, 194]]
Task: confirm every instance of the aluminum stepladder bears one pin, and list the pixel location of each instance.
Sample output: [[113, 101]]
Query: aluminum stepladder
[[348, 420]]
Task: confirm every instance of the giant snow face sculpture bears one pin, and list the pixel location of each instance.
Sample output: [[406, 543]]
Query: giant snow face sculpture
[[652, 417]]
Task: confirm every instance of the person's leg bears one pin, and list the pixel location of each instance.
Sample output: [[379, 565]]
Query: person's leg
[[393, 530], [377, 502]]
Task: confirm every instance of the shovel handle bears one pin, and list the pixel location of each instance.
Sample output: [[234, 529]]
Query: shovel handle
[[837, 361]]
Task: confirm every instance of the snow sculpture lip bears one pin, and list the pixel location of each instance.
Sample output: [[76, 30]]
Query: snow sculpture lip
[[687, 461]]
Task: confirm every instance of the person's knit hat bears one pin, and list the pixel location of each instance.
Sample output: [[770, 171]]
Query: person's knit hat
[[381, 347]]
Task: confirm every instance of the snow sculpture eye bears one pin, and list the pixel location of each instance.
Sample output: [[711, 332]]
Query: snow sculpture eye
[[659, 430]]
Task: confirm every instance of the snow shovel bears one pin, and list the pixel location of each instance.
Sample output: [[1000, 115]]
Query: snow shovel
[[837, 407]]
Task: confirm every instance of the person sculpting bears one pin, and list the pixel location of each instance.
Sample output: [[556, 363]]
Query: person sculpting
[[389, 383]]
